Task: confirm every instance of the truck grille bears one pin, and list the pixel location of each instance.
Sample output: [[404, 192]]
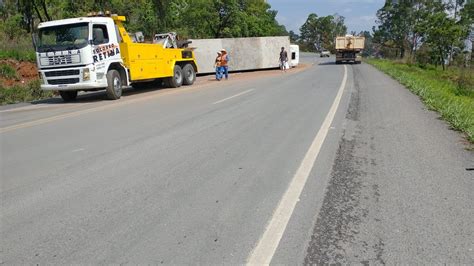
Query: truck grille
[[63, 81], [62, 59], [71, 72]]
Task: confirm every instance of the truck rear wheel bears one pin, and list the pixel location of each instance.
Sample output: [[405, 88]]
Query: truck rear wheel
[[68, 96], [114, 85], [177, 79], [189, 75]]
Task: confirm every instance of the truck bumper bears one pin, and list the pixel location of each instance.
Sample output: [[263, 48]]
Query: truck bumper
[[74, 87], [72, 79], [348, 57]]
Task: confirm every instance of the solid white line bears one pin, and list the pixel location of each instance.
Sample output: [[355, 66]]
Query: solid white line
[[228, 98], [268, 243]]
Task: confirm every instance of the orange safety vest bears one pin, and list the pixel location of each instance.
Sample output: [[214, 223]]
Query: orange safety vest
[[218, 61], [223, 60]]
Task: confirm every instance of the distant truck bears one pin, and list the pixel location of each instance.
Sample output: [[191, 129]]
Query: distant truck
[[348, 49], [251, 53], [96, 52]]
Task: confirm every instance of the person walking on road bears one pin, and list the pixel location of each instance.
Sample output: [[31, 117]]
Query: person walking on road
[[283, 59], [217, 65], [224, 63]]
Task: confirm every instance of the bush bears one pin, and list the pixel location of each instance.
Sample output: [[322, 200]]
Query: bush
[[19, 48], [12, 27], [20, 55], [7, 72], [21, 93]]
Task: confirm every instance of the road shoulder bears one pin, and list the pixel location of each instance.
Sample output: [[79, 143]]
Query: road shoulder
[[399, 191]]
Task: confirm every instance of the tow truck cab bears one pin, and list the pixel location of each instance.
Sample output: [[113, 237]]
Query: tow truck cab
[[93, 53]]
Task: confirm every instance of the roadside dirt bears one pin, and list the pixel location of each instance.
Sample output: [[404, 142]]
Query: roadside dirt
[[26, 72], [245, 75]]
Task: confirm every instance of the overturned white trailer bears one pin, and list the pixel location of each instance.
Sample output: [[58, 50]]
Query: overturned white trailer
[[245, 53]]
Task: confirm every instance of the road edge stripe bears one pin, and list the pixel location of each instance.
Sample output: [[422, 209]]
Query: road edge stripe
[[269, 241]]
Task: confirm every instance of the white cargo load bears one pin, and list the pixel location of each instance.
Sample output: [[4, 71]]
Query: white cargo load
[[244, 53]]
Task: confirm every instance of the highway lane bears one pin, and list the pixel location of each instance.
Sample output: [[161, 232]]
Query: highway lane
[[196, 175], [184, 177]]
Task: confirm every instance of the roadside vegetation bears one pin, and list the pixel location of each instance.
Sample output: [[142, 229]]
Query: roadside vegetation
[[23, 93], [425, 45], [189, 18], [19, 83], [451, 93]]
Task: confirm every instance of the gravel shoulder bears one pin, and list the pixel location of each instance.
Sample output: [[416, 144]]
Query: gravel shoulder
[[399, 191]]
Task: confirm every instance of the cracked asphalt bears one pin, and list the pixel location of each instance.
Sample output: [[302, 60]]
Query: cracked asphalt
[[398, 191]]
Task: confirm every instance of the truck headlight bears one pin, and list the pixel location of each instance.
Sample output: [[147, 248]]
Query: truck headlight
[[86, 74]]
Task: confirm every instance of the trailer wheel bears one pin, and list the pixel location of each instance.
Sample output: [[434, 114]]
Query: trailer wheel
[[68, 96], [114, 85], [177, 79], [189, 74]]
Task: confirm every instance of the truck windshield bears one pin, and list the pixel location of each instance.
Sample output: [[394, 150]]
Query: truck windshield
[[64, 37]]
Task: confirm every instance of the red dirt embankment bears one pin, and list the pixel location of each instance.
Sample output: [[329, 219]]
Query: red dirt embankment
[[26, 72]]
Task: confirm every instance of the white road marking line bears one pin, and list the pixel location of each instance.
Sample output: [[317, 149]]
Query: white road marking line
[[228, 98], [268, 243], [78, 150]]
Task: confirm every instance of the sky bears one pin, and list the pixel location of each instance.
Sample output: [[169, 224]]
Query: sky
[[359, 14]]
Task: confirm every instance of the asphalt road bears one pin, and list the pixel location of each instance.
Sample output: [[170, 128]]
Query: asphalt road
[[323, 164]]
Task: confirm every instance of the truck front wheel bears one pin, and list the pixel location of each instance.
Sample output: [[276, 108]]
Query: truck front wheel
[[114, 85], [68, 96], [189, 74], [177, 79]]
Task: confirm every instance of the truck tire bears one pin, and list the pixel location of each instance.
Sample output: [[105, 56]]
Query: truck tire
[[68, 96], [114, 85], [177, 79], [189, 75]]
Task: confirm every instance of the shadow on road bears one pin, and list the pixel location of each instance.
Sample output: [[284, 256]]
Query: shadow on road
[[96, 96], [334, 63], [327, 63]]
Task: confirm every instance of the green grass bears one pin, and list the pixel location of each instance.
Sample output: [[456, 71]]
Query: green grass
[[20, 55], [7, 72], [19, 48], [450, 92], [24, 93]]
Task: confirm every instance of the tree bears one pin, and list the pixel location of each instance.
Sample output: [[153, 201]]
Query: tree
[[190, 18], [11, 26], [320, 32], [294, 38], [441, 33], [369, 47], [394, 20]]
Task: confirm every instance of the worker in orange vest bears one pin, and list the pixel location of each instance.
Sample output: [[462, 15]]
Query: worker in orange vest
[[217, 65], [224, 63]]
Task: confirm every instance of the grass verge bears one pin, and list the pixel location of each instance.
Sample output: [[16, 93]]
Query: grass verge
[[28, 55], [7, 71], [23, 93], [451, 92]]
